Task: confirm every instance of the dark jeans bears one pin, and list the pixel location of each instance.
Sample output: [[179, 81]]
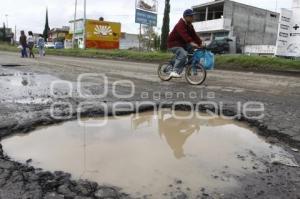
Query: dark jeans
[[24, 51]]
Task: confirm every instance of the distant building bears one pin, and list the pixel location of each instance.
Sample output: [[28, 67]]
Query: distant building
[[9, 35], [129, 41], [246, 25], [58, 34]]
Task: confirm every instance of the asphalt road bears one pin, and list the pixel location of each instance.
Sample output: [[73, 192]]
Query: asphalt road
[[280, 95]]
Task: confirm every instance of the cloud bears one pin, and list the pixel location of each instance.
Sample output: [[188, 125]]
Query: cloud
[[30, 14]]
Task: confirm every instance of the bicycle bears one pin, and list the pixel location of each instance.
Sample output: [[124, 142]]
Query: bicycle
[[194, 75]]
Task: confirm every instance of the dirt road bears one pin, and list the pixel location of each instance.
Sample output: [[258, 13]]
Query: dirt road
[[23, 110]]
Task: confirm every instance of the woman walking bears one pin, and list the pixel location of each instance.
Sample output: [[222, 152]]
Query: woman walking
[[30, 42], [41, 45], [23, 43]]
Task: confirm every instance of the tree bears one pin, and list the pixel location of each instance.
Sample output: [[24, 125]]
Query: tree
[[148, 37], [4, 32], [156, 42], [47, 28], [165, 27]]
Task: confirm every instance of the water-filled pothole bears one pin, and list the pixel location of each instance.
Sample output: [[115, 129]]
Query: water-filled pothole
[[148, 153]]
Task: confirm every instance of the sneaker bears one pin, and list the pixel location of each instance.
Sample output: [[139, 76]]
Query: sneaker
[[175, 75]]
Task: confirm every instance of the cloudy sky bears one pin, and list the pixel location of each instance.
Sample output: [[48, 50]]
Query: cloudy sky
[[30, 14]]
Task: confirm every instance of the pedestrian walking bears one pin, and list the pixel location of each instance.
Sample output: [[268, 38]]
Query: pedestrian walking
[[23, 43], [30, 42], [41, 46]]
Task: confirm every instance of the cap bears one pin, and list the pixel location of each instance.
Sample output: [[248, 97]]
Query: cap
[[188, 12]]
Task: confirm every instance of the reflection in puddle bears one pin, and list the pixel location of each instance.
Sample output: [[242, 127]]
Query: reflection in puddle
[[147, 153]]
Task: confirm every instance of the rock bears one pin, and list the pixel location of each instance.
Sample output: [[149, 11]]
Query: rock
[[82, 197], [53, 196], [45, 175], [5, 164], [106, 192], [64, 189], [181, 196], [85, 188], [284, 159], [294, 149], [272, 140], [50, 185]]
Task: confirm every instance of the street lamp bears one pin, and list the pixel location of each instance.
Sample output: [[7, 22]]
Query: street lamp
[[6, 20], [84, 23], [75, 16]]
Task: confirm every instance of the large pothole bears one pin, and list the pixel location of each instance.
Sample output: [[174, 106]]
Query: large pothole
[[154, 154]]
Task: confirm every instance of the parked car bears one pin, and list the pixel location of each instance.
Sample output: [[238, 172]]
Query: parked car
[[59, 45], [220, 46], [49, 45]]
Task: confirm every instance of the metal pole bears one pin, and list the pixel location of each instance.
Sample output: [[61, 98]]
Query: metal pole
[[75, 16], [140, 38], [15, 36], [6, 20], [84, 24]]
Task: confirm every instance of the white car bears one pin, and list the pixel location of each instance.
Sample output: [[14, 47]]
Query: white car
[[49, 45]]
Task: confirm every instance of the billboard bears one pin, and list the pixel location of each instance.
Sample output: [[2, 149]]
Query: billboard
[[288, 40], [147, 5], [294, 44], [102, 34], [146, 12], [283, 38]]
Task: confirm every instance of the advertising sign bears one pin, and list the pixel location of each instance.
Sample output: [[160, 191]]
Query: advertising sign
[[147, 18], [147, 5], [283, 38], [288, 41], [102, 34], [146, 12], [294, 44]]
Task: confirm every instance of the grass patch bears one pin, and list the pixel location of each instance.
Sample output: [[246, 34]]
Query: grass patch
[[115, 54], [227, 62], [256, 63]]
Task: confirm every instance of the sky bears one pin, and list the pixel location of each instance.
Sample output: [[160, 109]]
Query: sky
[[30, 14]]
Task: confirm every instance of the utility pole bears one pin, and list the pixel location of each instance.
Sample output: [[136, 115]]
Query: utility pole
[[74, 32], [84, 25], [140, 38], [15, 36], [6, 20]]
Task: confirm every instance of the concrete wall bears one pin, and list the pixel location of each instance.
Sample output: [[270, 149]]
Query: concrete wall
[[129, 41], [250, 25]]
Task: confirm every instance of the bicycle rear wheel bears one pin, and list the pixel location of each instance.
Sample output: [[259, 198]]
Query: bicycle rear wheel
[[164, 71], [195, 75]]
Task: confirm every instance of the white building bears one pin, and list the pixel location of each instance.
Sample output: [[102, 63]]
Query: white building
[[129, 41], [246, 25]]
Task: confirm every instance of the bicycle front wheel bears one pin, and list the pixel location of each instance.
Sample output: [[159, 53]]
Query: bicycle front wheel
[[195, 75]]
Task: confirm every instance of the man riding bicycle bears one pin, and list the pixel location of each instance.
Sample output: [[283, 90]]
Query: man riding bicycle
[[182, 40]]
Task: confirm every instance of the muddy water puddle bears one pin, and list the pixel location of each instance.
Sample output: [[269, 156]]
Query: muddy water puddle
[[154, 154]]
